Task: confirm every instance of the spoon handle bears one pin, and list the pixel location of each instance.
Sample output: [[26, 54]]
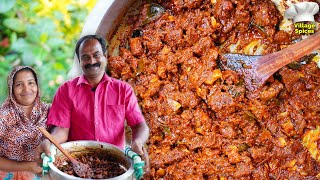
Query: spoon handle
[[269, 64], [51, 139]]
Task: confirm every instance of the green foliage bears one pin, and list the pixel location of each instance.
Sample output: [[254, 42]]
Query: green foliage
[[6, 5], [41, 34]]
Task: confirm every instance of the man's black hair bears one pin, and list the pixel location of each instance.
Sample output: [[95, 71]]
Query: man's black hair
[[97, 37]]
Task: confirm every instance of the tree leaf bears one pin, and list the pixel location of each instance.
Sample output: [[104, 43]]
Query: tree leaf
[[58, 15], [5, 67], [20, 45], [10, 57], [44, 37], [55, 42], [6, 5], [39, 53], [26, 1], [58, 66], [13, 37], [3, 89], [15, 24], [46, 25], [28, 58], [33, 33]]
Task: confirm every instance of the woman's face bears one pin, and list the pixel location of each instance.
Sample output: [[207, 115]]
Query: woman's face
[[25, 87]]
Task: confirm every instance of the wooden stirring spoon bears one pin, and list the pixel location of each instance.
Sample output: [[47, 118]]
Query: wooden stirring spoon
[[82, 170], [257, 69]]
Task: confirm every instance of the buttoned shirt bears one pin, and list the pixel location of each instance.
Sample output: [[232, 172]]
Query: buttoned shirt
[[98, 114]]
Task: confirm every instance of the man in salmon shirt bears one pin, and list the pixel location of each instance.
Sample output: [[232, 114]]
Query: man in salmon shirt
[[95, 106]]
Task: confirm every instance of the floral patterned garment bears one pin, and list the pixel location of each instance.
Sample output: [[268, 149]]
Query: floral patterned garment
[[19, 135]]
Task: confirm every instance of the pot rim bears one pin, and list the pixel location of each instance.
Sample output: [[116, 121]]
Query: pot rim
[[125, 175]]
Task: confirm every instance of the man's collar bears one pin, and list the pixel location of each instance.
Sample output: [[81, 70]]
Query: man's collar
[[83, 80]]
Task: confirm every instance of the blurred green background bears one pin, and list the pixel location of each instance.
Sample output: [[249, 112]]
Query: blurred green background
[[41, 34]]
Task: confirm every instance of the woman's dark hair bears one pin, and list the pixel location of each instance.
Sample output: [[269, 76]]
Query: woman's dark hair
[[100, 39]]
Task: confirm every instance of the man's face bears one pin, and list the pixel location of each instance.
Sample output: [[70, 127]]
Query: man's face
[[92, 60]]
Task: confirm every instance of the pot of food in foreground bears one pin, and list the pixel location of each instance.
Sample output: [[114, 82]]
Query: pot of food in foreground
[[107, 161]]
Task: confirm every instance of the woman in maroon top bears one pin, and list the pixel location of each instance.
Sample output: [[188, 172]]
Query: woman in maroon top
[[20, 115]]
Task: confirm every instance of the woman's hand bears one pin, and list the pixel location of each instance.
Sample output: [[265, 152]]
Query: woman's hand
[[59, 134], [44, 146]]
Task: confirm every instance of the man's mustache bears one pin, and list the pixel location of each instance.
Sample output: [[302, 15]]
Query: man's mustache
[[92, 65]]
